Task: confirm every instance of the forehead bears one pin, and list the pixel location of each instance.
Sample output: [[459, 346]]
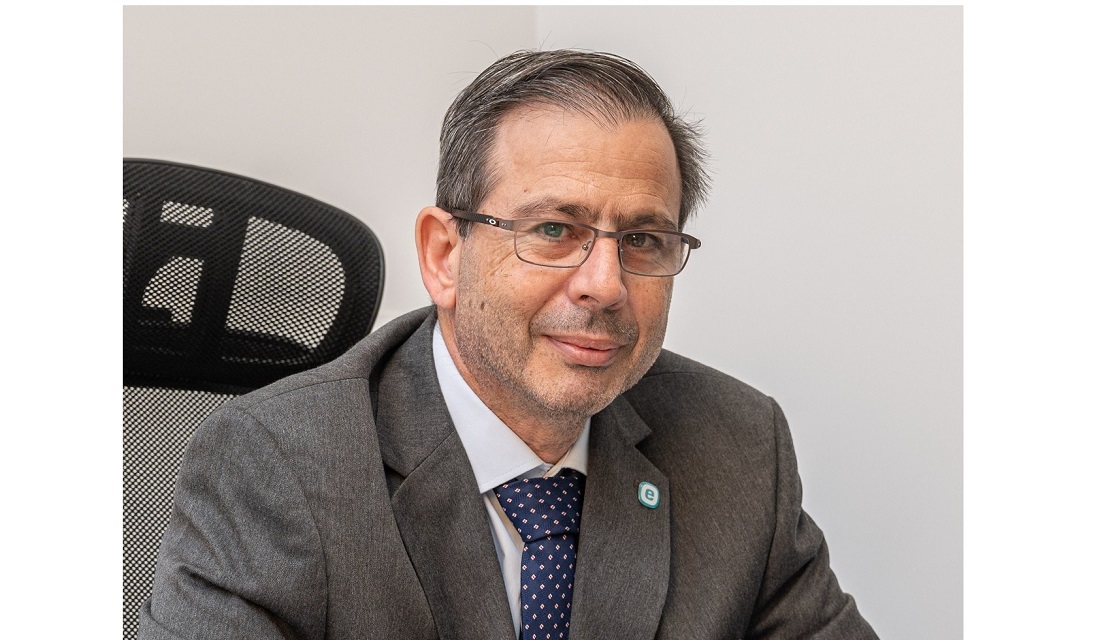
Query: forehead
[[623, 169]]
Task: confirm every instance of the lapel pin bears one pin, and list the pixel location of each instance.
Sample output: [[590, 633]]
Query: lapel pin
[[649, 495]]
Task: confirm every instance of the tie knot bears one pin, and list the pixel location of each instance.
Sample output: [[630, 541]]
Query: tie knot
[[541, 507]]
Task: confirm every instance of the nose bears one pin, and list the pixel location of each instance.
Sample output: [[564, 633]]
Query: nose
[[598, 283]]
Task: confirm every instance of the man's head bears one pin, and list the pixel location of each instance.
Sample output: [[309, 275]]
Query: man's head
[[573, 137], [603, 86]]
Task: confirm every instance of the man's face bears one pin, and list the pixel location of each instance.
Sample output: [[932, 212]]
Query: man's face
[[552, 342]]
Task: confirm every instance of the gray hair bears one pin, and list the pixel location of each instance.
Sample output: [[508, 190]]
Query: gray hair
[[602, 85]]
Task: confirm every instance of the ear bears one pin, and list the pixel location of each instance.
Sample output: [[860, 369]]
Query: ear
[[438, 247]]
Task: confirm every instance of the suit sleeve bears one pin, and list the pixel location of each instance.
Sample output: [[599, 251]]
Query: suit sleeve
[[241, 557], [800, 596]]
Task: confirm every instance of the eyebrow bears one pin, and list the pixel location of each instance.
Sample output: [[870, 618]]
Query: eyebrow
[[580, 213], [650, 220], [546, 205]]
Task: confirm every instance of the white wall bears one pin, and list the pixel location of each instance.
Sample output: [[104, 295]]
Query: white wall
[[831, 271]]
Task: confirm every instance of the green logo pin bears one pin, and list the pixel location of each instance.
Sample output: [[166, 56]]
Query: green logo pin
[[649, 495]]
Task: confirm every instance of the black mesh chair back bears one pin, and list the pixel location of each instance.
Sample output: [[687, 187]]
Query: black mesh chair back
[[228, 284]]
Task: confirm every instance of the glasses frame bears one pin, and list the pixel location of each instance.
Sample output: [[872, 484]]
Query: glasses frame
[[509, 225]]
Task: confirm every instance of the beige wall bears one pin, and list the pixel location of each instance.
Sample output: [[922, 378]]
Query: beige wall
[[831, 271]]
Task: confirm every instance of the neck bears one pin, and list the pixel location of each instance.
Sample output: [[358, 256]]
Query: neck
[[549, 442], [548, 433]]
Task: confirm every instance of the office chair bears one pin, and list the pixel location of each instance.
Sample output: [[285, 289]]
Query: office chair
[[228, 284]]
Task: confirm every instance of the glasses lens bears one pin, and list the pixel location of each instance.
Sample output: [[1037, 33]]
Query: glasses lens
[[653, 253], [556, 243], [552, 243]]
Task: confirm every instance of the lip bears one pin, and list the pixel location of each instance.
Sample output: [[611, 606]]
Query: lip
[[585, 350]]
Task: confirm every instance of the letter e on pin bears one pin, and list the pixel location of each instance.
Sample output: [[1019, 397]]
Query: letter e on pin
[[649, 495]]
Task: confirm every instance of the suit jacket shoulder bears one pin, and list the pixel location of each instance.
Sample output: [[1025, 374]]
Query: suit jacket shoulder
[[742, 543], [282, 525], [696, 412]]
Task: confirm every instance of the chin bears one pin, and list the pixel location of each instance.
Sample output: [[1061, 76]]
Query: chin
[[575, 393]]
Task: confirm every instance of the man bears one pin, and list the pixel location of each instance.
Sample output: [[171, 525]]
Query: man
[[522, 459]]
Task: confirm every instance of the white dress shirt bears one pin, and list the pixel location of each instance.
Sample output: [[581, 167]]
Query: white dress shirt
[[497, 455]]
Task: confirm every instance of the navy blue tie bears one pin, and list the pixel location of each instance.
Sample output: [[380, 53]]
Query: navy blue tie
[[547, 514]]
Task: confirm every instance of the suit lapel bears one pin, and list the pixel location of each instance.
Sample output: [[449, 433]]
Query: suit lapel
[[624, 551], [438, 508]]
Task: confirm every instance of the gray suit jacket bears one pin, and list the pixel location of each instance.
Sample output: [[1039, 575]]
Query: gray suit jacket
[[339, 503]]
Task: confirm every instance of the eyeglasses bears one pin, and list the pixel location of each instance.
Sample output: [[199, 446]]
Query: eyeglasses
[[558, 243]]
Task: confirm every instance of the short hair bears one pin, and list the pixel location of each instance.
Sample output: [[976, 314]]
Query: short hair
[[601, 85]]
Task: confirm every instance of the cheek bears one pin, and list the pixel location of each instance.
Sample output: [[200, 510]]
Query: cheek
[[485, 273], [524, 286], [506, 297], [500, 265], [504, 273], [650, 302]]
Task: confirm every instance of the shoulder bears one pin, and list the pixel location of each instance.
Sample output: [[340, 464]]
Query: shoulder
[[329, 406], [691, 407], [347, 378], [674, 380]]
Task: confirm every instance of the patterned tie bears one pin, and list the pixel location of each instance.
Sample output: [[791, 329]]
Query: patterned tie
[[547, 514]]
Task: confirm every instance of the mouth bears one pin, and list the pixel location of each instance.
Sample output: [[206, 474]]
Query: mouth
[[586, 351]]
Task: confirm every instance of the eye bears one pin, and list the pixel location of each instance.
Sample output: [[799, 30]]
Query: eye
[[642, 241], [551, 229]]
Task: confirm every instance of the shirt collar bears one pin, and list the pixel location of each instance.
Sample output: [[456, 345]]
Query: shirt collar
[[496, 453]]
